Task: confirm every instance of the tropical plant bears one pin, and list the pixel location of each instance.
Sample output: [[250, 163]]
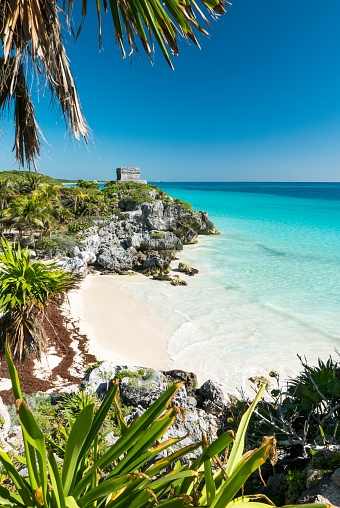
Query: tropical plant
[[6, 191], [32, 47], [130, 473], [85, 184], [32, 182], [26, 287], [28, 212]]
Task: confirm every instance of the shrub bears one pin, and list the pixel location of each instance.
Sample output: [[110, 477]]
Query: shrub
[[136, 197], [186, 205], [79, 225], [42, 409], [74, 403], [84, 184], [58, 245]]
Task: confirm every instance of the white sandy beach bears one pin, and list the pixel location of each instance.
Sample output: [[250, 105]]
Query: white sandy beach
[[120, 329]]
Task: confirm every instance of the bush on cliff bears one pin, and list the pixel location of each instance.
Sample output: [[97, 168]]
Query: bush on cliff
[[134, 198], [58, 245], [131, 473]]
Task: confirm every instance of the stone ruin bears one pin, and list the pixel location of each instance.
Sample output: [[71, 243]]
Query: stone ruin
[[129, 175]]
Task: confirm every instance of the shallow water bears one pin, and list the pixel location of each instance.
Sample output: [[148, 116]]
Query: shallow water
[[268, 287]]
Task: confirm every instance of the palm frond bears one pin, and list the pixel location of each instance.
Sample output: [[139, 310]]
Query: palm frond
[[162, 20], [30, 33]]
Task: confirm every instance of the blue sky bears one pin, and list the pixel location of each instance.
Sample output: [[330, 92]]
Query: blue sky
[[259, 102]]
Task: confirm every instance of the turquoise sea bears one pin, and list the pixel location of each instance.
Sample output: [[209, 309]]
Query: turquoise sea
[[268, 287]]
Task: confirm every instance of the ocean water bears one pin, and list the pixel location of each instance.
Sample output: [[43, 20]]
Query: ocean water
[[268, 287]]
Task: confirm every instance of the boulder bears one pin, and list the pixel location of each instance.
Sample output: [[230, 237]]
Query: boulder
[[155, 259], [214, 398], [189, 378], [324, 489], [141, 387], [74, 265], [187, 235], [98, 379], [178, 282], [191, 425], [188, 270], [154, 240], [115, 258], [5, 421]]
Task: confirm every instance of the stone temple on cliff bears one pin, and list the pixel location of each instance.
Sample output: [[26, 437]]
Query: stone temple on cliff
[[129, 175]]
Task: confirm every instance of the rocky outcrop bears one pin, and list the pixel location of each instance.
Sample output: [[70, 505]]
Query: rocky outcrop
[[146, 239], [167, 216], [188, 270], [140, 387]]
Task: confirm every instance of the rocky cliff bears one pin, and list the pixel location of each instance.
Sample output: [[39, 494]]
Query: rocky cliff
[[143, 237]]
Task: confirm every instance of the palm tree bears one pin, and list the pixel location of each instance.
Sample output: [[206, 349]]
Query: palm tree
[[28, 212], [32, 182], [32, 46], [6, 191], [26, 288]]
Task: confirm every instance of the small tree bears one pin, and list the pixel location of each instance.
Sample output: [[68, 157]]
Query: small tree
[[26, 287], [28, 213]]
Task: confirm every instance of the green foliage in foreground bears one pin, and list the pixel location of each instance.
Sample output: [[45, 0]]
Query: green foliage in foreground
[[134, 476], [26, 287]]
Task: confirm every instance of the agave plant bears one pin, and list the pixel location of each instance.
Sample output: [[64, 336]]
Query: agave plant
[[26, 287], [135, 476]]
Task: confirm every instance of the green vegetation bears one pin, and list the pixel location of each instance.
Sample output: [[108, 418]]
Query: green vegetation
[[305, 412], [186, 205], [26, 288], [157, 235], [136, 197], [129, 473], [296, 480], [87, 185], [60, 244], [49, 217], [140, 373], [18, 176]]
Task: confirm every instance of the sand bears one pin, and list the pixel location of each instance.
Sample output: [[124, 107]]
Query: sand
[[120, 328]]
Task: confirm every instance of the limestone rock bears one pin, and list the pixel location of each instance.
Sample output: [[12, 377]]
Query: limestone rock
[[188, 270], [189, 378], [186, 234], [214, 398], [116, 258], [166, 216], [180, 398], [98, 380], [141, 387], [155, 240], [178, 282], [336, 478], [325, 488], [155, 259], [5, 421]]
